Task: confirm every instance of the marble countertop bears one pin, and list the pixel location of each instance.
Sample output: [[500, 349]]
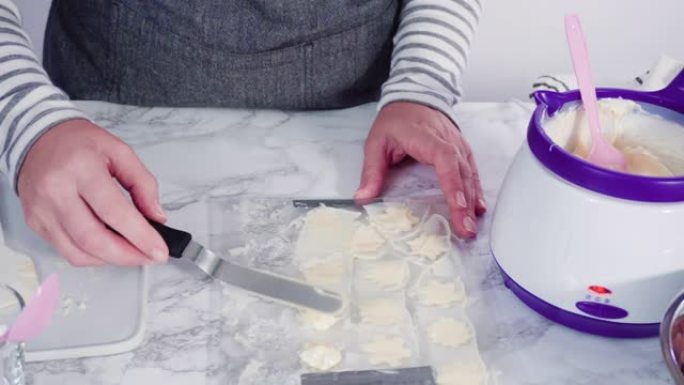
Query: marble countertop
[[197, 154]]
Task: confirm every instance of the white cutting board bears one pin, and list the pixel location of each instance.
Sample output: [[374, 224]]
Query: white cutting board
[[102, 309]]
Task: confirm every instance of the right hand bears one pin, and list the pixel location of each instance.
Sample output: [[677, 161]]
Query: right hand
[[69, 192], [404, 129]]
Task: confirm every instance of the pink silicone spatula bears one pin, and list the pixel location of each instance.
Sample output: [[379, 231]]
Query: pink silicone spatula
[[37, 314], [602, 152]]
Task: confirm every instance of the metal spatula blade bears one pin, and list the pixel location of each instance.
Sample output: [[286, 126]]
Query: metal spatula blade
[[270, 285], [277, 287]]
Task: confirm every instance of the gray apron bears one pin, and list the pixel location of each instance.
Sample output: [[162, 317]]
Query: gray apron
[[289, 54]]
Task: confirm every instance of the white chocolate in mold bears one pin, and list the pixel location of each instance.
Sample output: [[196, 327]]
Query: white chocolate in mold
[[449, 332], [321, 357], [440, 294], [390, 351]]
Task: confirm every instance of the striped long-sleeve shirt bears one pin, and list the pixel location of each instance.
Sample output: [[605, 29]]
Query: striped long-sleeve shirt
[[430, 51], [29, 103]]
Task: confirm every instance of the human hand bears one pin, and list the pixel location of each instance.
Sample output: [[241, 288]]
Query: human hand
[[409, 129], [69, 193]]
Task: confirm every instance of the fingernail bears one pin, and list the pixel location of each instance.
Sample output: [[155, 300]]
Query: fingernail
[[461, 199], [158, 255], [160, 211], [470, 225], [482, 203]]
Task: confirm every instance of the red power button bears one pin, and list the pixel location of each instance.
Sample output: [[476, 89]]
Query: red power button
[[600, 290]]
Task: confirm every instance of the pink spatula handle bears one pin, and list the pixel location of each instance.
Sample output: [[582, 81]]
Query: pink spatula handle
[[580, 61], [37, 313]]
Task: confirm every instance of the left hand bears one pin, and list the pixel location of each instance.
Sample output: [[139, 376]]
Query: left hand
[[409, 129]]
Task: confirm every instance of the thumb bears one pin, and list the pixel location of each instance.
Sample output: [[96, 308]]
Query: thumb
[[127, 168], [375, 166]]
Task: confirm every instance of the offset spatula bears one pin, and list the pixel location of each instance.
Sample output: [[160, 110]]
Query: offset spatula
[[181, 246]]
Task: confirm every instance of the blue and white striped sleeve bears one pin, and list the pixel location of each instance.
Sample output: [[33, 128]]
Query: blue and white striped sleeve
[[430, 52], [29, 103]]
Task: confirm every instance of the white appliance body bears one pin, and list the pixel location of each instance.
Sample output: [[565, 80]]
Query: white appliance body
[[593, 262]]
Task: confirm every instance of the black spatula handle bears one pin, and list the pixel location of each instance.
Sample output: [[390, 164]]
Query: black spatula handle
[[176, 240]]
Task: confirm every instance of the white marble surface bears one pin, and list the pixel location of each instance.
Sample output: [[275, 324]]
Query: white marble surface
[[199, 153]]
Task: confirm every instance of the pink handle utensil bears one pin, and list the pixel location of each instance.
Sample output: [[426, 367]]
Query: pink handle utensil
[[602, 152], [37, 313]]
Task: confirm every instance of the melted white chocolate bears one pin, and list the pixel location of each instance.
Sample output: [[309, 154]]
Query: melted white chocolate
[[317, 320], [325, 231], [449, 332], [396, 219], [366, 241], [388, 275], [382, 312], [321, 357], [429, 246], [17, 271], [390, 351], [652, 146], [440, 294], [461, 373], [326, 273]]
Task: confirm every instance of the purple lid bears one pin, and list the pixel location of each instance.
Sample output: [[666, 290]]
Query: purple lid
[[591, 176]]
